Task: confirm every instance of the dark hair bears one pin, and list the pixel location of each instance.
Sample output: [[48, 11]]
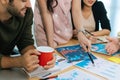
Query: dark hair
[[50, 5], [10, 1], [82, 4]]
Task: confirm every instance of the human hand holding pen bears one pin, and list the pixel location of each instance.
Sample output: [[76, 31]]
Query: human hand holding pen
[[84, 41]]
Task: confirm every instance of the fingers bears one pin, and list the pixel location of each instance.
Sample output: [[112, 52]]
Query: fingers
[[111, 48], [33, 67], [31, 52], [93, 39], [109, 39], [30, 60], [84, 47], [50, 64]]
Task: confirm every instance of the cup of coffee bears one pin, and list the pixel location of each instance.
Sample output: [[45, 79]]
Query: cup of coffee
[[46, 54]]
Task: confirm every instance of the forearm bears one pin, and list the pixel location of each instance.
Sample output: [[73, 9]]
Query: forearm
[[9, 62], [101, 32], [27, 48], [47, 21], [0, 60], [77, 14]]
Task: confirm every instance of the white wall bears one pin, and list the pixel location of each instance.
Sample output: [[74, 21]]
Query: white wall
[[112, 7], [32, 3]]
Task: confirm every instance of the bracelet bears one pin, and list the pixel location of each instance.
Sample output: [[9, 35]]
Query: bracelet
[[80, 31]]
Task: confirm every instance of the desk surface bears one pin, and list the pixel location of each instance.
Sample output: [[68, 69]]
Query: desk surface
[[18, 74]]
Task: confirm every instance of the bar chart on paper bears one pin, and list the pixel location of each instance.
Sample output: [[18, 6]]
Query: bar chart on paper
[[102, 67]]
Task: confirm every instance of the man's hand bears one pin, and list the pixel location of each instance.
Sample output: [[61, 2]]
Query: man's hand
[[51, 63], [29, 60]]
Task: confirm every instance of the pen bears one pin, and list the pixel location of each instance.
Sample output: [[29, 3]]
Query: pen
[[50, 77], [90, 58], [89, 33]]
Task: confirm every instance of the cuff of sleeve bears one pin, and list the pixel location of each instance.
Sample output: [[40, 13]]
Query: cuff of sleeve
[[0, 61]]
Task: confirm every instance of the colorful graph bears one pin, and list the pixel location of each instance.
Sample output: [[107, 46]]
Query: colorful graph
[[74, 53]]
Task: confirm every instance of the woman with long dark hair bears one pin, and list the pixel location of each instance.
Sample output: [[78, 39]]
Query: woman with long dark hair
[[53, 24], [94, 12], [94, 19]]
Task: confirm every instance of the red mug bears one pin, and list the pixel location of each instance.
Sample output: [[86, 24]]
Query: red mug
[[46, 54]]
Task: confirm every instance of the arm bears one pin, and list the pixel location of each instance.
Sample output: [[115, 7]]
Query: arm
[[77, 20], [100, 13], [27, 60], [47, 21], [102, 32]]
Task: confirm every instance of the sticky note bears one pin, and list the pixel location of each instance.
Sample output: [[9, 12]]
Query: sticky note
[[114, 59]]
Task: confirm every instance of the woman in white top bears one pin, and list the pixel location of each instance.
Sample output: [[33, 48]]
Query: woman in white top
[[94, 16]]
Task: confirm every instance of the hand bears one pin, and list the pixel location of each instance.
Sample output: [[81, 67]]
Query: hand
[[75, 34], [112, 46], [84, 42], [30, 60], [51, 63], [114, 40], [93, 39]]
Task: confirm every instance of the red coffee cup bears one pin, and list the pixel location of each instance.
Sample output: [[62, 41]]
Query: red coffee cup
[[46, 54]]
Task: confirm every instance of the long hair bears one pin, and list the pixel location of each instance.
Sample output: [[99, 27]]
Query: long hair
[[50, 5], [82, 4], [11, 1]]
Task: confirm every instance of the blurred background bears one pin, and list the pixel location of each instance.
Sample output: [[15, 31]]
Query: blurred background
[[112, 7]]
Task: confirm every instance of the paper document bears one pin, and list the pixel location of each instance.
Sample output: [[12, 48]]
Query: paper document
[[102, 67], [76, 74], [42, 73]]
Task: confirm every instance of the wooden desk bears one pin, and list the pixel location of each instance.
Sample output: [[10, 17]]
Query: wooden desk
[[16, 74], [73, 42]]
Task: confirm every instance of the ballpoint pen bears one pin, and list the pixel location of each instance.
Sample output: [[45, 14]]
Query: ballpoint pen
[[91, 59]]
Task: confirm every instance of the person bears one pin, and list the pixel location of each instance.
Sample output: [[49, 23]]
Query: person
[[94, 16], [16, 18], [113, 45], [53, 25]]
